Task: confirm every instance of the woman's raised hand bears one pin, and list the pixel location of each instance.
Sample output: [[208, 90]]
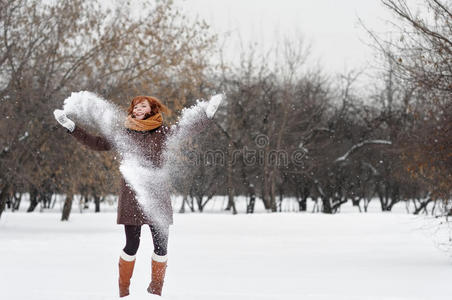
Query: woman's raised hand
[[64, 121]]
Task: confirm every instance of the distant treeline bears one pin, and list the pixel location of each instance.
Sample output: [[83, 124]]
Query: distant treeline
[[285, 130]]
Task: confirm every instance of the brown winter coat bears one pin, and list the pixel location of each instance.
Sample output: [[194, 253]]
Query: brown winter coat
[[129, 211]]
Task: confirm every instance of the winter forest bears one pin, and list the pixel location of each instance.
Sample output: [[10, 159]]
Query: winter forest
[[295, 164]]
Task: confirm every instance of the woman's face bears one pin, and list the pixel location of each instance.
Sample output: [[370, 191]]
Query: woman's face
[[141, 109]]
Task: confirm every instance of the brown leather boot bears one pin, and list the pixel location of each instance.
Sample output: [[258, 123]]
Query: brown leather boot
[[158, 274], [126, 264]]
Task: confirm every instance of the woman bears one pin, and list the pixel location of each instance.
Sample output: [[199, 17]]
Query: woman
[[145, 129]]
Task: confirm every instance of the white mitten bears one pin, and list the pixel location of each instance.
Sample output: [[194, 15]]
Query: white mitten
[[212, 107], [64, 121]]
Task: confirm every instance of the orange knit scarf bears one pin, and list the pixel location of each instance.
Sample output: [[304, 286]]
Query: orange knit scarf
[[150, 123]]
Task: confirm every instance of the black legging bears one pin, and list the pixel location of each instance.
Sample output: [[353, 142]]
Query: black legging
[[159, 238]]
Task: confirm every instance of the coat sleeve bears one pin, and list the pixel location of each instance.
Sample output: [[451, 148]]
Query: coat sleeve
[[96, 143]]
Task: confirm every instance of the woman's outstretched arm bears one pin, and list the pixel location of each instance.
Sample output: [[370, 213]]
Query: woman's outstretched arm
[[96, 143]]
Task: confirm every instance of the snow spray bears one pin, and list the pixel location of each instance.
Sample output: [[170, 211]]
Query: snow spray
[[145, 179]]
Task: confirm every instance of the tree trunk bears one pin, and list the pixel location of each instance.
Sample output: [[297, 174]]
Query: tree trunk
[[231, 204], [67, 207], [96, 203], [393, 196], [267, 189], [280, 199], [9, 201], [326, 205], [366, 204], [199, 203], [45, 198], [17, 199], [272, 193], [191, 204], [423, 206], [316, 207], [3, 196], [33, 200], [302, 204], [434, 207], [252, 203], [381, 196], [264, 195], [182, 207]]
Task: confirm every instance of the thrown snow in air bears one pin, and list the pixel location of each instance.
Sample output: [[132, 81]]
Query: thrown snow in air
[[146, 180]]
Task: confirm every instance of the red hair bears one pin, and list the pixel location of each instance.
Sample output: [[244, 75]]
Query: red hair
[[154, 103]]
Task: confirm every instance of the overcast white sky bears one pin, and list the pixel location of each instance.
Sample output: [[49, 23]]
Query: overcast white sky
[[330, 25]]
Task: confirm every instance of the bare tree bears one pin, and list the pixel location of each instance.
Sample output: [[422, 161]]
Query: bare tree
[[50, 50]]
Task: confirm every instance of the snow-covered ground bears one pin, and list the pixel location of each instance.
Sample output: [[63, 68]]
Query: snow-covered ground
[[305, 256]]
